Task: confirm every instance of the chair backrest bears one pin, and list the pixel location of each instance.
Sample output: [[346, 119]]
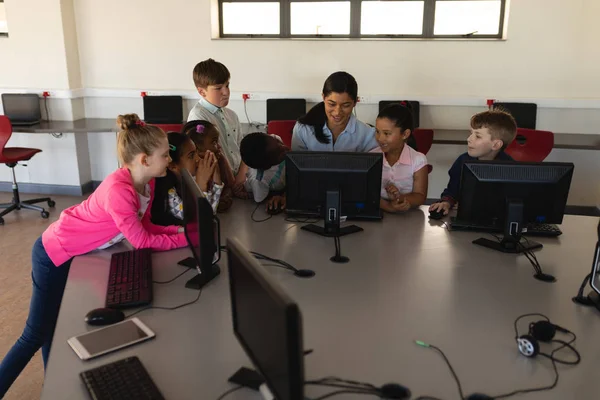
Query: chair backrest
[[163, 109], [5, 132], [415, 106], [285, 109], [531, 145], [424, 139], [170, 127], [525, 114], [283, 129]]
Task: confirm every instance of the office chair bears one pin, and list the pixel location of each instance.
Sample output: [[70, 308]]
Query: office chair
[[11, 156], [169, 127], [424, 139], [531, 145], [283, 129]]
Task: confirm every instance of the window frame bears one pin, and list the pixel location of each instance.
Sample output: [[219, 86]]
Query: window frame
[[355, 19]]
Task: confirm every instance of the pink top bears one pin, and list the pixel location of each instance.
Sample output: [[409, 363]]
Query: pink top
[[401, 173], [110, 210]]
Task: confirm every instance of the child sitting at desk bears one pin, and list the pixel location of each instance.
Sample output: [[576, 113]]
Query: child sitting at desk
[[491, 132], [167, 207], [206, 138], [405, 173], [118, 209], [265, 157]]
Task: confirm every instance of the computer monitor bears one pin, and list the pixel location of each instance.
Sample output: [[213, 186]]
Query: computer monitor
[[22, 108], [267, 323], [525, 114], [351, 179], [509, 194], [285, 109], [163, 109], [202, 231]]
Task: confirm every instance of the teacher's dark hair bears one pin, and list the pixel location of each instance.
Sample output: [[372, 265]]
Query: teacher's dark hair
[[338, 82]]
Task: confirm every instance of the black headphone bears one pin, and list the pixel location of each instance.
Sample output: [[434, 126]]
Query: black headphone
[[544, 331]]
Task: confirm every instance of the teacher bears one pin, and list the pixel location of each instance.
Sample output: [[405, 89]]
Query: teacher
[[330, 125]]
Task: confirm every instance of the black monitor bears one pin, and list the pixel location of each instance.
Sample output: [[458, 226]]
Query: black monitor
[[163, 109], [267, 323], [202, 231], [316, 179], [285, 109], [525, 114], [508, 194]]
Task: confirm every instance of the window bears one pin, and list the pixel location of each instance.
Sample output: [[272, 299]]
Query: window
[[430, 19], [3, 25]]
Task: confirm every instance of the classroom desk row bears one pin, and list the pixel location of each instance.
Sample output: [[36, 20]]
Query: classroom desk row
[[408, 278], [572, 141]]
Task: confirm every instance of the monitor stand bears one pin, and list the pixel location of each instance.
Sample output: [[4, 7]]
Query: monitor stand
[[594, 299], [343, 231], [511, 242], [201, 280], [331, 226]]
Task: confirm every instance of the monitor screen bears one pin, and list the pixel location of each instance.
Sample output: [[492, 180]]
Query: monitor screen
[[267, 323], [285, 109], [163, 109], [487, 186], [357, 176], [200, 225]]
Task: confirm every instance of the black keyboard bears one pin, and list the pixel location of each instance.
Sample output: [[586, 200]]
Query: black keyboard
[[124, 379], [130, 279], [547, 230]]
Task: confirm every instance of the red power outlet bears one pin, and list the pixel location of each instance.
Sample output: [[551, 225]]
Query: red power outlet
[[143, 94], [45, 94], [246, 96]]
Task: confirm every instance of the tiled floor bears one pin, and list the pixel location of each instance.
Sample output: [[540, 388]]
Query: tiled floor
[[20, 231]]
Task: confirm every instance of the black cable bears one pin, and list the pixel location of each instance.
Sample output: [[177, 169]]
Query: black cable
[[165, 308], [221, 397], [46, 107], [458, 384], [427, 398], [342, 391], [338, 247], [171, 280], [307, 220], [259, 220], [343, 383]]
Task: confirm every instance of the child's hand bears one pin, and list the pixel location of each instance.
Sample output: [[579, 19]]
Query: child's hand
[[392, 191], [240, 192], [205, 170], [400, 205], [442, 206], [276, 202]]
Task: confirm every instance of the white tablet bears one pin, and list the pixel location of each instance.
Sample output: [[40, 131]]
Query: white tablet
[[114, 337]]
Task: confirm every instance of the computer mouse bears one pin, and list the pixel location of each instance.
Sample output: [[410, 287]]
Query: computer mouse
[[436, 214], [104, 316], [394, 391], [274, 210]]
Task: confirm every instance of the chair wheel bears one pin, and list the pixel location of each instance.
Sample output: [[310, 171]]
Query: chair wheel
[[1, 221], [45, 214], [51, 203]]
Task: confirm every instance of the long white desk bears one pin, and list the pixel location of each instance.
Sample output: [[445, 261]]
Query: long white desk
[[408, 279]]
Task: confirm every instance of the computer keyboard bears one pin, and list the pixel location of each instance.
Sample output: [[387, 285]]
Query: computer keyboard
[[130, 279], [547, 230], [124, 379]]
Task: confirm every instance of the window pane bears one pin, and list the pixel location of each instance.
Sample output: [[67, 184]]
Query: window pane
[[320, 18], [3, 26], [462, 17], [391, 17], [251, 18]]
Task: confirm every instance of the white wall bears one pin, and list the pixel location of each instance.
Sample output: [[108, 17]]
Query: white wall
[[140, 44], [33, 55]]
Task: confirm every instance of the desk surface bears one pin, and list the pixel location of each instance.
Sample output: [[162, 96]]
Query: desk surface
[[84, 125], [408, 279]]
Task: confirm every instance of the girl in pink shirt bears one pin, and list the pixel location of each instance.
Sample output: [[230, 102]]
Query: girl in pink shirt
[[118, 209], [405, 172]]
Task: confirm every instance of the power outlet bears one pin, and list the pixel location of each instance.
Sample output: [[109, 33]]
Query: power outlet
[[45, 94], [362, 99], [250, 96]]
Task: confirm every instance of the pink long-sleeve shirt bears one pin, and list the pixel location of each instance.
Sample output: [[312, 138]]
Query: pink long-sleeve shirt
[[110, 210]]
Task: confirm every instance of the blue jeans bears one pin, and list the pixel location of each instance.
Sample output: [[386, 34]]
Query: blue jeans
[[48, 287]]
